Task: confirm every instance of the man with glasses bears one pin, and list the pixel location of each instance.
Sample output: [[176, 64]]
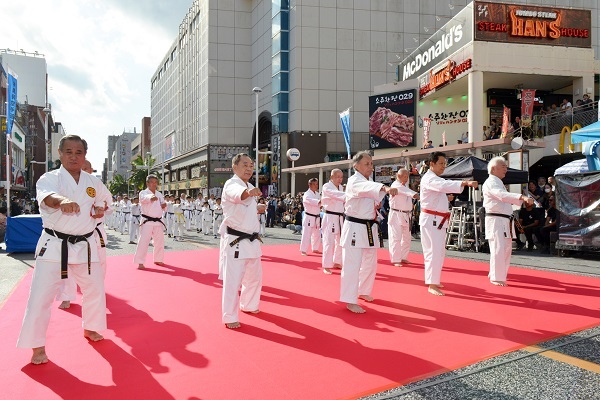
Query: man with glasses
[[434, 217]]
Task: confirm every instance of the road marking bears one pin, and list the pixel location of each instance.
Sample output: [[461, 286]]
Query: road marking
[[554, 355]]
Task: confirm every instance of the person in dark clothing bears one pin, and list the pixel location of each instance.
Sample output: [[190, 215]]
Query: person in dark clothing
[[549, 225], [296, 224], [15, 208], [531, 221], [271, 205]]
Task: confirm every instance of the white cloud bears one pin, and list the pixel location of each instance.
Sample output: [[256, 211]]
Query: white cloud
[[100, 56]]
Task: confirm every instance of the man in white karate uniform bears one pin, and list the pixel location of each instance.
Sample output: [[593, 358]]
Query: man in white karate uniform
[[499, 226], [126, 212], [361, 235], [240, 243], [434, 218], [333, 204], [152, 227], [135, 220], [311, 222], [399, 220], [69, 202]]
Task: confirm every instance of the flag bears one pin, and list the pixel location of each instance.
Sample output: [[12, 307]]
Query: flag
[[505, 121], [345, 121], [426, 128], [527, 101], [444, 138], [11, 95]]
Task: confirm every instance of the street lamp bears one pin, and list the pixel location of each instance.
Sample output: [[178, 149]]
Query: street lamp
[[46, 111], [256, 90]]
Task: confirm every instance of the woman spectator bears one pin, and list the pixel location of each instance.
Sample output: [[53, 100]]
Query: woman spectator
[[545, 197]]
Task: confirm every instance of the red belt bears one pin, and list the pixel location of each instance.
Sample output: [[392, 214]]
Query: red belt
[[444, 215]]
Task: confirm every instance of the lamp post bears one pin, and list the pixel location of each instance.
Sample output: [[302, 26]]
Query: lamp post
[[256, 91], [46, 111]]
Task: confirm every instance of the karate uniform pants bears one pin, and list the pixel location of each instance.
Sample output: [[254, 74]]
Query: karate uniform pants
[[134, 228], [311, 235], [246, 273], [150, 230], [178, 228], [216, 224], [222, 247], [358, 273], [332, 251], [124, 225], [198, 220], [206, 226], [188, 219], [399, 236], [434, 250], [169, 223], [500, 252], [45, 284]]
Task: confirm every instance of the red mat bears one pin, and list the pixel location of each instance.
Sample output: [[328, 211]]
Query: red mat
[[166, 340]]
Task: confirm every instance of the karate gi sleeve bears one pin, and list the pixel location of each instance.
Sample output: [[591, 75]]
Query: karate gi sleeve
[[405, 191], [309, 201], [45, 186], [333, 194], [442, 185], [368, 189], [233, 192], [499, 192], [145, 196]]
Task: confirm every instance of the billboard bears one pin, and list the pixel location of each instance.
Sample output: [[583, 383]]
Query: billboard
[[527, 24], [392, 119]]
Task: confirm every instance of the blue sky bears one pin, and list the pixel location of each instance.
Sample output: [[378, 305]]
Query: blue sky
[[100, 55]]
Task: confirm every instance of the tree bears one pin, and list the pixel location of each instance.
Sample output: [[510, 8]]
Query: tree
[[138, 175], [117, 185]]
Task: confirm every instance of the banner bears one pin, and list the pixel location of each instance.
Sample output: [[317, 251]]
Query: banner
[[11, 100], [527, 101], [444, 138], [345, 121], [392, 119], [505, 121], [426, 129]]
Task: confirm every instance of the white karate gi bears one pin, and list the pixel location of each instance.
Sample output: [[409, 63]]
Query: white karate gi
[[499, 231], [134, 222], [217, 218], [126, 211], [188, 213], [359, 258], [262, 220], [433, 197], [46, 281], [311, 226], [207, 219], [241, 262], [170, 218], [178, 221], [150, 229], [332, 200], [399, 222], [118, 216], [198, 214]]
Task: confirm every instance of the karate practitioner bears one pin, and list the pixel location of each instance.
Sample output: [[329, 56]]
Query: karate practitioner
[[499, 226], [207, 218], [198, 203], [434, 217], [134, 222], [240, 243], [69, 223], [188, 212], [153, 204], [217, 216], [126, 214], [399, 221], [332, 201], [361, 235], [178, 221], [311, 223], [170, 201]]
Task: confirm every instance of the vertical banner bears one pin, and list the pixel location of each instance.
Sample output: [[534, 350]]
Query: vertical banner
[[426, 130], [345, 121], [505, 121], [11, 100], [444, 138], [527, 101]]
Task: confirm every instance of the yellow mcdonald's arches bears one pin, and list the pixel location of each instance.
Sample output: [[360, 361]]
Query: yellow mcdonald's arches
[[566, 134]]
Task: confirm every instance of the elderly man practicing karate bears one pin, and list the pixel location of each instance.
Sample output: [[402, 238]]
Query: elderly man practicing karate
[[400, 218], [361, 235], [311, 222], [499, 226], [332, 201]]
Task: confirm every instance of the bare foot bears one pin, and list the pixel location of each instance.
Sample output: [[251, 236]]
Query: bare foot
[[366, 297], [338, 266], [499, 283], [141, 266], [355, 308], [160, 263], [251, 312], [405, 262], [233, 325], [397, 264], [92, 335], [317, 252], [65, 304], [326, 271], [434, 289], [303, 253], [39, 356]]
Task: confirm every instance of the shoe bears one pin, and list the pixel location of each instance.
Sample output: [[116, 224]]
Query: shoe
[[520, 246], [132, 243], [215, 236]]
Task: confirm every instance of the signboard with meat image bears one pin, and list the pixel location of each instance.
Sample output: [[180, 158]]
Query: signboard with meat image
[[392, 119]]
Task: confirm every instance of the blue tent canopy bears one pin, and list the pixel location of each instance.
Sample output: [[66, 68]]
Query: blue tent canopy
[[586, 134]]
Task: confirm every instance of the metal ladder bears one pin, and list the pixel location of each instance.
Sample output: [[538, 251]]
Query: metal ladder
[[456, 229]]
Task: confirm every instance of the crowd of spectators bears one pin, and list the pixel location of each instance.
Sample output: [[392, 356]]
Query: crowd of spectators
[[539, 220]]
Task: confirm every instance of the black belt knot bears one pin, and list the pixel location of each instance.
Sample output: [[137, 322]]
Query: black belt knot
[[508, 217], [242, 236], [152, 219], [369, 223], [314, 215], [64, 250]]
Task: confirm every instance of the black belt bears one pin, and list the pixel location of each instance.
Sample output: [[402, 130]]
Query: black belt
[[407, 211], [369, 223], [314, 215], [102, 244], [332, 212], [242, 236], [126, 212], [218, 216], [136, 217], [508, 217], [64, 250], [152, 219], [340, 217]]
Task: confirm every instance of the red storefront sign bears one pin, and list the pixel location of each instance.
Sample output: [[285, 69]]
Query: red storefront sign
[[437, 79]]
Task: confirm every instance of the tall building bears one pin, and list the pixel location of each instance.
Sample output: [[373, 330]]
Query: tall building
[[311, 59], [122, 155]]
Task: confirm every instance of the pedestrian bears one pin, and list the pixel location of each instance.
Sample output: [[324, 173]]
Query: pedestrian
[[153, 204], [399, 223], [434, 216], [333, 205], [361, 235], [69, 226], [311, 222], [241, 243], [499, 226]]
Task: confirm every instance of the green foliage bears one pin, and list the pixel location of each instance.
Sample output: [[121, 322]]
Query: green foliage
[[118, 185], [138, 175]]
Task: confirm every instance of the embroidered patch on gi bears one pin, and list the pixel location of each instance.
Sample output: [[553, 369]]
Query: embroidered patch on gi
[[91, 191]]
